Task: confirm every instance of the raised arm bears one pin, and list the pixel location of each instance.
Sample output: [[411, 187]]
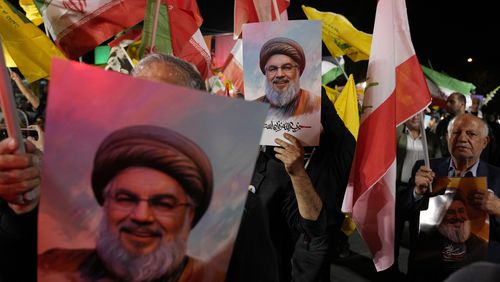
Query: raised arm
[[292, 155], [32, 98]]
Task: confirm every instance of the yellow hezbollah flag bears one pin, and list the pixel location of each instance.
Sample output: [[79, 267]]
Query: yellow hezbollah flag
[[28, 46], [8, 59], [31, 11], [332, 93], [340, 36], [347, 107]]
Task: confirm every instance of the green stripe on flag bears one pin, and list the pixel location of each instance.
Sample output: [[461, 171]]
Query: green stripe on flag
[[329, 70], [448, 84], [163, 42]]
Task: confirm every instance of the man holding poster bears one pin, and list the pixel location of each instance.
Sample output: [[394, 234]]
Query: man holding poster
[[301, 174], [467, 138]]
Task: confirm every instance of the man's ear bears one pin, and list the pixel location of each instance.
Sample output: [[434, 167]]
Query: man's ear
[[486, 141]]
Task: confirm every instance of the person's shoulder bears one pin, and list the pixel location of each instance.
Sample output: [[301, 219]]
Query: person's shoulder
[[442, 124], [493, 168], [475, 239], [63, 259], [494, 171]]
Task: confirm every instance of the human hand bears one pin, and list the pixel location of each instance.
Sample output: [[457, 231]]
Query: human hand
[[19, 175], [291, 154], [423, 179], [14, 76], [485, 200], [41, 139]]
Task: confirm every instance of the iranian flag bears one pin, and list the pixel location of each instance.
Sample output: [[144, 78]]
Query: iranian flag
[[448, 84], [251, 11], [78, 26], [396, 91]]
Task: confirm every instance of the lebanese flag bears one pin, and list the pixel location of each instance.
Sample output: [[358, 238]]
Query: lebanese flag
[[233, 68], [396, 91], [78, 26], [187, 40], [251, 11]]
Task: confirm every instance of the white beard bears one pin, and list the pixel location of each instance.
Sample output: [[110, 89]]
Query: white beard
[[456, 235], [136, 268], [282, 98]]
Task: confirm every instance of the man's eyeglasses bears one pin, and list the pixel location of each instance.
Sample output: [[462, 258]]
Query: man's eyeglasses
[[161, 205], [286, 68]]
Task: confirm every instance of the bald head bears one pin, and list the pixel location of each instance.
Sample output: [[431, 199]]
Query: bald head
[[169, 69], [467, 138], [478, 123]]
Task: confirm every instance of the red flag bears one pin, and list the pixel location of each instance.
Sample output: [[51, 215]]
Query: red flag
[[187, 41], [233, 68], [250, 11], [78, 26], [398, 91]]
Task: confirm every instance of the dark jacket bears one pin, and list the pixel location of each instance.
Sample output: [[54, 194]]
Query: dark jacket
[[409, 209], [18, 248], [291, 236]]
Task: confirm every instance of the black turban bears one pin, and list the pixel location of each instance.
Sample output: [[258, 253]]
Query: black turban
[[284, 46], [157, 148]]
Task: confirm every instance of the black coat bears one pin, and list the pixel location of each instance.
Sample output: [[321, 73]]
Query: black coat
[[291, 237], [18, 238]]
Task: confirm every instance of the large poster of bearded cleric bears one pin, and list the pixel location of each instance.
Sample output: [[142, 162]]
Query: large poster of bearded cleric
[[282, 63], [453, 232], [138, 183]]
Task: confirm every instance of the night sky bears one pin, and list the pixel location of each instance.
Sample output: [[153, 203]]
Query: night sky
[[444, 34]]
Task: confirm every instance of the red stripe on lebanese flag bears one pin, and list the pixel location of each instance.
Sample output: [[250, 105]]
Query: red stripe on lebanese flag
[[396, 91], [94, 28], [187, 40], [251, 11]]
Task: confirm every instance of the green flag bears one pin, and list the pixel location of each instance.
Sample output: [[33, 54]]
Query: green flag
[[330, 69], [448, 84]]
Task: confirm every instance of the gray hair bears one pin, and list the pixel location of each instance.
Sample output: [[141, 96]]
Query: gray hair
[[484, 130], [191, 76]]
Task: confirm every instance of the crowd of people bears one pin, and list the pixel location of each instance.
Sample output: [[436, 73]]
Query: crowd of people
[[292, 217]]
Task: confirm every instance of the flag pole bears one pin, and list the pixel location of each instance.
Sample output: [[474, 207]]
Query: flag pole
[[424, 143], [155, 25], [341, 68], [276, 11], [8, 105]]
